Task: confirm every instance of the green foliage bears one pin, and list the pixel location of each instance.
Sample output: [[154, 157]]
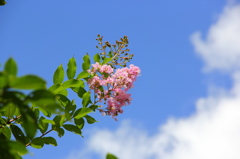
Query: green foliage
[[97, 58], [39, 142], [2, 2], [43, 110], [72, 67], [106, 60], [27, 82], [11, 67], [110, 156], [86, 62], [58, 75]]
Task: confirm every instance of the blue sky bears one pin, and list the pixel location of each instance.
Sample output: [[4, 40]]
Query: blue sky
[[188, 52]]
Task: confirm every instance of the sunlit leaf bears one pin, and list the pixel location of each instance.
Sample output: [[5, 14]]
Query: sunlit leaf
[[86, 99], [110, 156], [48, 121], [42, 97], [73, 83], [64, 92], [11, 67], [50, 141], [79, 123], [58, 75], [28, 82], [72, 128], [86, 63], [97, 58], [9, 110], [72, 67], [106, 60], [63, 100], [37, 142], [69, 110], [83, 74], [94, 107], [6, 132], [3, 80], [90, 119], [43, 126], [81, 92], [56, 88], [82, 112], [18, 147], [59, 120], [60, 131]]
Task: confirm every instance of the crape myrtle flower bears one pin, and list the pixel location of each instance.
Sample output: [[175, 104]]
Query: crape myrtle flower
[[111, 87]]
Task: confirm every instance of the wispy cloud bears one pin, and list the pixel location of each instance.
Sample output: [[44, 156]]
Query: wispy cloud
[[212, 132], [221, 50]]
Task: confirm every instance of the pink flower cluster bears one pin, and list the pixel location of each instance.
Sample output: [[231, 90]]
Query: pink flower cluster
[[112, 87]]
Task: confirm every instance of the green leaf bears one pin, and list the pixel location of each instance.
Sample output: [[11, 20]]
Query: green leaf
[[64, 92], [81, 92], [18, 147], [42, 97], [72, 83], [9, 110], [90, 119], [86, 63], [72, 128], [94, 107], [58, 75], [18, 134], [44, 111], [29, 121], [11, 67], [48, 121], [36, 112], [86, 99], [60, 131], [6, 132], [83, 74], [56, 88], [37, 142], [110, 156], [97, 58], [69, 110], [43, 126], [30, 125], [82, 112], [46, 100], [59, 120], [3, 80], [79, 123], [63, 100], [28, 82], [50, 141], [72, 67], [106, 60]]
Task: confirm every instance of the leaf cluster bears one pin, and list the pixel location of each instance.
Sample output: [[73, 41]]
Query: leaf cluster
[[28, 107], [29, 110]]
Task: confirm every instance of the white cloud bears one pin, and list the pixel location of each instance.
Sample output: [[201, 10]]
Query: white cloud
[[212, 132], [221, 49]]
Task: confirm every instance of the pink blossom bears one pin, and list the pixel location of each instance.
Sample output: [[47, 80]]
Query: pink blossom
[[106, 69], [115, 86]]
